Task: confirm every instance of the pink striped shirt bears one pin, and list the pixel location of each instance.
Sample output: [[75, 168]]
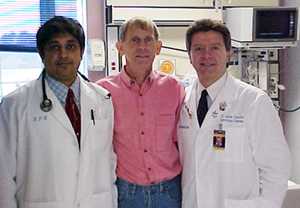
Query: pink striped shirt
[[145, 126]]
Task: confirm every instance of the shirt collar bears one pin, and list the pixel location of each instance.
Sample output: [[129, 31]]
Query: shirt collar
[[60, 90], [213, 90], [130, 82]]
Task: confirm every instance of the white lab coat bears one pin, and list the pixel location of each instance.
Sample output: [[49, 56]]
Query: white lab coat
[[253, 170], [40, 162]]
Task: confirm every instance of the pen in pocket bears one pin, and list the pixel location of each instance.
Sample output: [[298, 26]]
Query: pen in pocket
[[93, 116]]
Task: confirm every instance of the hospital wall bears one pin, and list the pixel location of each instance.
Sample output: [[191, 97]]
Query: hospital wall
[[290, 78], [95, 28]]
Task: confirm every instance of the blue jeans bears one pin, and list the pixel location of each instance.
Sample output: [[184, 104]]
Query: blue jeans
[[166, 194]]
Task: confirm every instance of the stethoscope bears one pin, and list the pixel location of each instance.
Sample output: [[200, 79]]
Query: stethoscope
[[46, 104]]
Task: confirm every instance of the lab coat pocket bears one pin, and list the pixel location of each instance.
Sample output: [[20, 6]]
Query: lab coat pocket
[[42, 204], [233, 203], [103, 199], [165, 127], [102, 160], [234, 145], [100, 132], [41, 185]]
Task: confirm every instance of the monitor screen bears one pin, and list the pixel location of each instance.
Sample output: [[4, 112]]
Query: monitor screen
[[275, 24]]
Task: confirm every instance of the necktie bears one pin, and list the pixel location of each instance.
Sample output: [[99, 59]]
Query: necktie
[[73, 114], [202, 107]]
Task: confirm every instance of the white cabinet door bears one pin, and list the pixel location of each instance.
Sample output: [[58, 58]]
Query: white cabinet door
[[164, 3], [250, 2], [192, 3]]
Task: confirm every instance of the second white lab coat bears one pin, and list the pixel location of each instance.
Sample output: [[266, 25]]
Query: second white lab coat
[[40, 162], [252, 171]]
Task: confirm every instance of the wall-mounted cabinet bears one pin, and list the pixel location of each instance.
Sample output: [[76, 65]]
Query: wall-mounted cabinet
[[163, 3], [192, 3], [250, 2]]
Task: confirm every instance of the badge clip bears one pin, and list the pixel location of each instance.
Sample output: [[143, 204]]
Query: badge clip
[[188, 111], [222, 106]]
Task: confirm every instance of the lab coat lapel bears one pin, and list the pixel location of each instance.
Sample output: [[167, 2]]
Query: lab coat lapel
[[190, 106], [58, 111], [225, 96], [87, 102]]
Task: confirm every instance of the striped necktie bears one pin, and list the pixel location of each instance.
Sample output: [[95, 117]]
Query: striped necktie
[[73, 114]]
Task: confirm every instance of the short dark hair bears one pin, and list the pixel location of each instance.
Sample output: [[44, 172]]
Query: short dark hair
[[205, 25], [59, 25]]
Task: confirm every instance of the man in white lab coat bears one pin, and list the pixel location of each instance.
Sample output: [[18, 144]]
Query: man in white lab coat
[[237, 157], [46, 159]]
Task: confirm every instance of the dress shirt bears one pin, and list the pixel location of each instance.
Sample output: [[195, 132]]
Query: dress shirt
[[213, 90], [60, 90], [146, 117]]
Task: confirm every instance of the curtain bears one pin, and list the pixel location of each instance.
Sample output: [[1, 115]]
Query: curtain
[[20, 20]]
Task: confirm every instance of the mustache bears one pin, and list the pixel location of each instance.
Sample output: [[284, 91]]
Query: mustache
[[63, 61]]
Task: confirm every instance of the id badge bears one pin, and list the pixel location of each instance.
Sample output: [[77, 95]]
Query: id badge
[[219, 140]]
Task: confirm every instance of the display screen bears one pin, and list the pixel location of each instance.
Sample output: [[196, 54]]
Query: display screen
[[275, 24]]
